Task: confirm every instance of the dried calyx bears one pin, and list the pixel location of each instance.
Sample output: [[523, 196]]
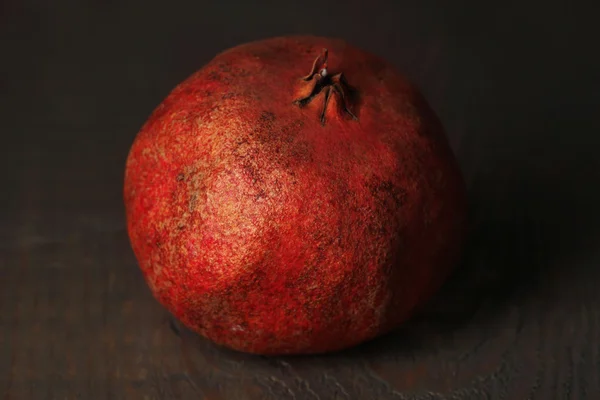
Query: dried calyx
[[322, 82]]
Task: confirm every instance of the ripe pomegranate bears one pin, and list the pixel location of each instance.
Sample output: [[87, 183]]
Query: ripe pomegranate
[[291, 199]]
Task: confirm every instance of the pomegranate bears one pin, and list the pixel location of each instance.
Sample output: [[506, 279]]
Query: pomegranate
[[295, 195]]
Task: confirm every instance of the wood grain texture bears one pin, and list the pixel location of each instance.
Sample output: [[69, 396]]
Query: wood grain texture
[[520, 319]]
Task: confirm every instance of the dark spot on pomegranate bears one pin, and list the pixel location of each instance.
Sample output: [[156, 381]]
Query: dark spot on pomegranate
[[252, 171], [228, 96], [192, 202], [377, 227], [240, 140], [261, 194], [180, 177], [266, 117], [385, 191]]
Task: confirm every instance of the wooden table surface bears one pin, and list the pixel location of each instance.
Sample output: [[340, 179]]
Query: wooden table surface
[[516, 87]]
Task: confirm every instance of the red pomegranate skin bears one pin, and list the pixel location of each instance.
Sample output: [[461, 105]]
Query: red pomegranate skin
[[268, 232]]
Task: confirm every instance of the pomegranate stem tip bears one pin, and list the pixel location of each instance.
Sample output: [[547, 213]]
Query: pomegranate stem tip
[[321, 81]]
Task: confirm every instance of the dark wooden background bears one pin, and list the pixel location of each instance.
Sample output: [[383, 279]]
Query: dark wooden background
[[517, 88]]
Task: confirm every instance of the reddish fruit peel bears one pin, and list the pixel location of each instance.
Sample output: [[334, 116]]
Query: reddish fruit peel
[[271, 221]]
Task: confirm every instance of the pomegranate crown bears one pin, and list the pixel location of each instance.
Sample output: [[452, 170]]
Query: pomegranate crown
[[321, 81]]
